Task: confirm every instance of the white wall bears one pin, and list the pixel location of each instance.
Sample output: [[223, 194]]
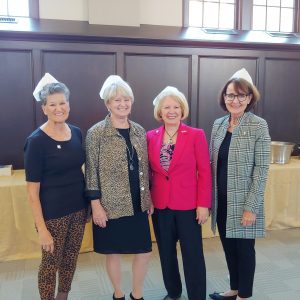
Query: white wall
[[114, 12], [64, 9], [161, 12]]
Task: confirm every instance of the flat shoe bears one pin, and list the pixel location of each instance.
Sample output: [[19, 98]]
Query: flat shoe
[[217, 296], [115, 298], [132, 298]]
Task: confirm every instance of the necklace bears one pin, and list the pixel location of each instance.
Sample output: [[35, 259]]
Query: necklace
[[130, 153], [171, 136]]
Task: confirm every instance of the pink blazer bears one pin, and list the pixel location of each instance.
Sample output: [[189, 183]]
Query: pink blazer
[[188, 182]]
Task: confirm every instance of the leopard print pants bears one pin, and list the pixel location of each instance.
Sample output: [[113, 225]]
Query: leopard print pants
[[67, 233]]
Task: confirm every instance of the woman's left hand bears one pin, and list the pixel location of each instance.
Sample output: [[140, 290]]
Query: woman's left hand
[[248, 218], [150, 210], [202, 214]]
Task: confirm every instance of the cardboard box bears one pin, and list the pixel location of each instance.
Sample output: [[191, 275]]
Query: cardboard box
[[5, 170]]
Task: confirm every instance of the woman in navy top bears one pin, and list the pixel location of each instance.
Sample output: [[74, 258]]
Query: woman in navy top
[[53, 159]]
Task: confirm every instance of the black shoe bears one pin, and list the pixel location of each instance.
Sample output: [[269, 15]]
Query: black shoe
[[170, 298], [217, 296], [115, 298], [132, 298]]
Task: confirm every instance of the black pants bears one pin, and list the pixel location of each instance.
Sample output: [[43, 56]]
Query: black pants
[[169, 227], [240, 256]]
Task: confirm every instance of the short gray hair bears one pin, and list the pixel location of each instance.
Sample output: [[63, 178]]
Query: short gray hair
[[113, 85], [53, 88]]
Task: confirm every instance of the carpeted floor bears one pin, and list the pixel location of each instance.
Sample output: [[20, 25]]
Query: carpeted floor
[[277, 273]]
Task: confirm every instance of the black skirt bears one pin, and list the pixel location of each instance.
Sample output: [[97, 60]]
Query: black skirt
[[126, 235]]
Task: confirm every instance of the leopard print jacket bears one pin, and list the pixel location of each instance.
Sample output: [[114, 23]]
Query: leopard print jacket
[[106, 169]]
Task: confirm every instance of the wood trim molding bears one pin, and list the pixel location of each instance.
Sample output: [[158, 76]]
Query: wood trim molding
[[82, 31]]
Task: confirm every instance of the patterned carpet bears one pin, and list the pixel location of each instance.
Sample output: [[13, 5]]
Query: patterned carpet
[[277, 274]]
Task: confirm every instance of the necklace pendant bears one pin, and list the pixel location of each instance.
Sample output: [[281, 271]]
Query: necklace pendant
[[58, 146], [131, 167]]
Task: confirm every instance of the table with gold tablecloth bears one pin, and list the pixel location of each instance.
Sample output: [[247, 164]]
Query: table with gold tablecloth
[[282, 196], [18, 238]]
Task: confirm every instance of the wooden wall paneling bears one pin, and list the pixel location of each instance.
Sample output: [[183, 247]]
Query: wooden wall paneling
[[282, 99], [37, 75], [149, 75], [84, 74], [194, 91], [17, 118], [199, 71], [260, 84], [214, 71]]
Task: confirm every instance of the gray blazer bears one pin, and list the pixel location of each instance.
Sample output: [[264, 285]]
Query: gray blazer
[[106, 169], [248, 165]]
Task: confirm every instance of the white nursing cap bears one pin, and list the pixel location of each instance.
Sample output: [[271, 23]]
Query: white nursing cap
[[114, 80], [242, 73], [47, 78], [168, 91]]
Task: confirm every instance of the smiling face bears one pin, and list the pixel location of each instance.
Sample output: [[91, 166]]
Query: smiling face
[[171, 111], [235, 107], [57, 108], [119, 106]]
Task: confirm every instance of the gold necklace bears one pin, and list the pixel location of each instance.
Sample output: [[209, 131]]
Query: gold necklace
[[170, 136]]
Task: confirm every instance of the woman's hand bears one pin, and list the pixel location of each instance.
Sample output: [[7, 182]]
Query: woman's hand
[[46, 240], [98, 213], [45, 237], [248, 218], [202, 214], [150, 210]]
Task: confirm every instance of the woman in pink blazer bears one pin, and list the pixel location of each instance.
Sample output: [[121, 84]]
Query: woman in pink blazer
[[180, 179]]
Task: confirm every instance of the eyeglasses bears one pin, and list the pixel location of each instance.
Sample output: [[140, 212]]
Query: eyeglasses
[[240, 97]]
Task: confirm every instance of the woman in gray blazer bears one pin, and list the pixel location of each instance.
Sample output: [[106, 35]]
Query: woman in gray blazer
[[240, 150]]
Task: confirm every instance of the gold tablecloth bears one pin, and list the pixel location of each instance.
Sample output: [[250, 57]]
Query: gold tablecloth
[[18, 238], [282, 196]]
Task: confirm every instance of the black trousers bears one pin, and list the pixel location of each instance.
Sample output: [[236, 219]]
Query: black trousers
[[171, 226], [239, 254]]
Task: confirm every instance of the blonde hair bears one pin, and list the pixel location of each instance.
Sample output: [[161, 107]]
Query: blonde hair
[[173, 92]]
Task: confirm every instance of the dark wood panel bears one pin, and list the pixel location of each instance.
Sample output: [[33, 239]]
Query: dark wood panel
[[17, 117], [213, 74], [282, 99], [84, 74], [198, 71], [148, 75]]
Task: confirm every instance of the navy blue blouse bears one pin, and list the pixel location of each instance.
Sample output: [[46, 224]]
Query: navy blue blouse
[[57, 166]]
